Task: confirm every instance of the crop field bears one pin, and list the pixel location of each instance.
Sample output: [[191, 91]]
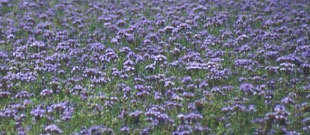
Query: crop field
[[154, 67]]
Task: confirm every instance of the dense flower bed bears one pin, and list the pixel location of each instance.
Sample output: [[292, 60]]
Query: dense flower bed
[[175, 67]]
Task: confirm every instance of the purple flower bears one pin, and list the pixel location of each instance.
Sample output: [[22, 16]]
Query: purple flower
[[287, 101], [39, 112], [125, 50], [244, 62], [186, 80], [4, 94], [128, 62], [200, 129], [168, 29], [135, 116], [247, 88], [160, 58], [24, 94], [145, 131], [53, 129], [8, 112], [125, 129], [17, 106], [46, 92], [203, 84], [252, 108], [96, 46]]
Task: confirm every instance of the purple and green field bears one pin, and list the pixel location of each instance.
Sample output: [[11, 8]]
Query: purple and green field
[[155, 67]]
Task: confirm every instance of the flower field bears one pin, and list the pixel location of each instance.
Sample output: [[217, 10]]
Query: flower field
[[155, 67]]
